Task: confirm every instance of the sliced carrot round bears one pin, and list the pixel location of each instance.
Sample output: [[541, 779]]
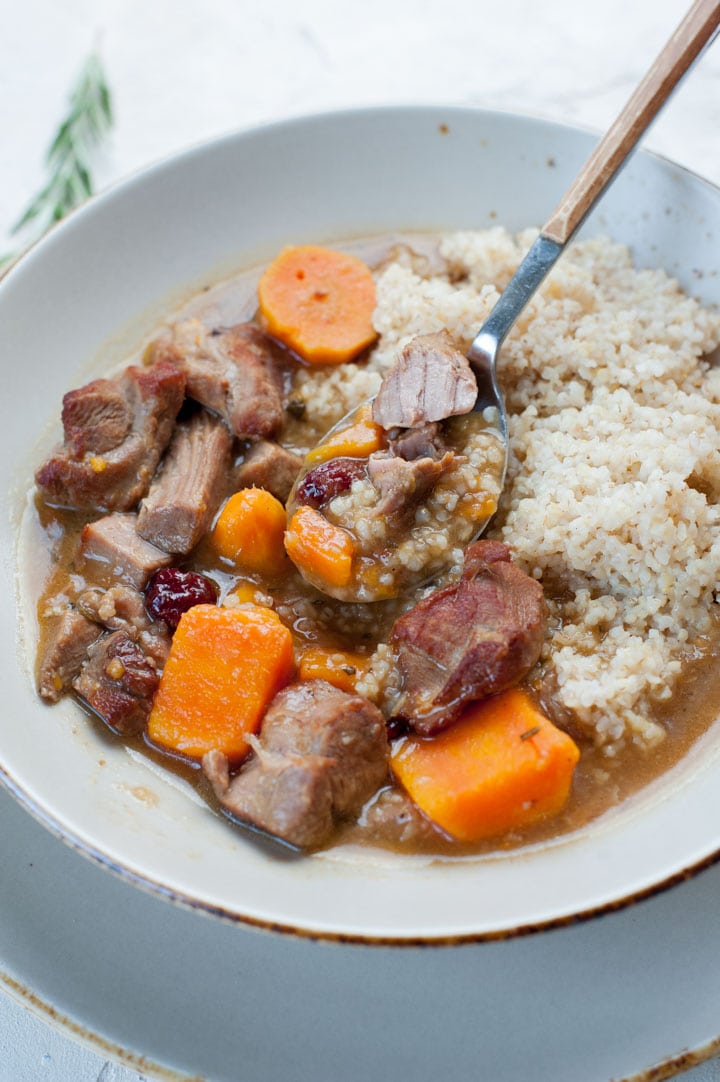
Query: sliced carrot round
[[319, 302]]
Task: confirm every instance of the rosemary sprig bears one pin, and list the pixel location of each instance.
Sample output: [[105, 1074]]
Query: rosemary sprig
[[88, 121]]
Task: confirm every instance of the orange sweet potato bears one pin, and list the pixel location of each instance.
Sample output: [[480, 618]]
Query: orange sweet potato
[[359, 440], [225, 665], [319, 549], [249, 532], [501, 766], [338, 667], [319, 302], [249, 593]]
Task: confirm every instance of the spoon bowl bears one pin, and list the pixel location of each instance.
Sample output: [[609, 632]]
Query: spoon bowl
[[390, 553]]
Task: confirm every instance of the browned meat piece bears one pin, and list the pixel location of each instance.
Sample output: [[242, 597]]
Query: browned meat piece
[[93, 473], [394, 819], [268, 465], [237, 372], [96, 417], [426, 441], [469, 640], [121, 608], [482, 553], [315, 718], [287, 797], [113, 545], [118, 682], [404, 484], [430, 380], [321, 754], [63, 650], [189, 486]]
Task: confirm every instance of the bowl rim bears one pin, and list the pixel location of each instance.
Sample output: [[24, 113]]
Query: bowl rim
[[145, 881], [177, 897], [197, 148]]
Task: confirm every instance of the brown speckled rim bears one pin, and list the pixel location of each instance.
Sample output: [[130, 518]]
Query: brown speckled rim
[[22, 994], [667, 1068], [677, 1064], [441, 118]]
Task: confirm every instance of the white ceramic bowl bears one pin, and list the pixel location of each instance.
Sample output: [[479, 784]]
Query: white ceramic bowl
[[96, 285]]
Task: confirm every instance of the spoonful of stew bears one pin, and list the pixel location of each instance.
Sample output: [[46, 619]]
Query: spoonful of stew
[[394, 492]]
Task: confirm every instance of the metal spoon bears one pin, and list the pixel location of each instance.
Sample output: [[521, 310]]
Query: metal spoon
[[692, 35]]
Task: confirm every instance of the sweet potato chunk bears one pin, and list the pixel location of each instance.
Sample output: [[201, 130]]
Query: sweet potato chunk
[[322, 552], [502, 766], [340, 668], [359, 440], [225, 666], [249, 532]]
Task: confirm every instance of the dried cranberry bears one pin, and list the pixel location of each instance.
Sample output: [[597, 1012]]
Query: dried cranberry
[[328, 480], [171, 592], [396, 728]]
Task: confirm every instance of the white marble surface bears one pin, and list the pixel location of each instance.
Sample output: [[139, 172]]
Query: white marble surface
[[183, 71]]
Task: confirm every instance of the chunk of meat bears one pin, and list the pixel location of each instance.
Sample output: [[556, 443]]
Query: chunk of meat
[[289, 797], [122, 608], [469, 640], [403, 483], [236, 372], [482, 553], [394, 819], [321, 754], [328, 480], [112, 548], [187, 490], [118, 681], [425, 441], [430, 380], [96, 417], [63, 650], [315, 718], [111, 450], [268, 465]]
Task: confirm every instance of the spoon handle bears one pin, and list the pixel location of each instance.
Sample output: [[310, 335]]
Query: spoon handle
[[685, 45]]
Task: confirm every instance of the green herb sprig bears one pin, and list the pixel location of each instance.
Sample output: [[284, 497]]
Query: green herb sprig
[[68, 158]]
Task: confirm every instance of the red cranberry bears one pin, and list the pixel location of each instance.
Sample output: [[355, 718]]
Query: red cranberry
[[328, 480], [396, 728], [171, 592]]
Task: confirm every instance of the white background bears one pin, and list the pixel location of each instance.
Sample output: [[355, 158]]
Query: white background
[[182, 72]]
